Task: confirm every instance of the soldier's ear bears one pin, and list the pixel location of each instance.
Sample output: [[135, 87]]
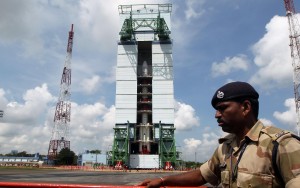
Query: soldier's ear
[[246, 107]]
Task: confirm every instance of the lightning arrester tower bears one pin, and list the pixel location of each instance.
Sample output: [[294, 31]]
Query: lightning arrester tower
[[294, 29], [62, 117], [144, 129]]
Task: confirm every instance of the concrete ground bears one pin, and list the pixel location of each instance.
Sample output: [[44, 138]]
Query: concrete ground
[[77, 176]]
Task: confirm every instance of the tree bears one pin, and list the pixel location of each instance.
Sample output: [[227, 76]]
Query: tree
[[66, 157], [96, 151], [192, 164], [20, 154]]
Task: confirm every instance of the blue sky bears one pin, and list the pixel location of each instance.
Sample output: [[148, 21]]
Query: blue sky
[[214, 42]]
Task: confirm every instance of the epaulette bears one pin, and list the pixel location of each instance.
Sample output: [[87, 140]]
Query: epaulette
[[274, 133]]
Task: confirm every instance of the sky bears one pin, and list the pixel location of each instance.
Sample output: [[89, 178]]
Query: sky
[[214, 42]]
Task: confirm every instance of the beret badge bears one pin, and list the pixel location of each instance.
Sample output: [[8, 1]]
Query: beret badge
[[234, 90], [220, 95]]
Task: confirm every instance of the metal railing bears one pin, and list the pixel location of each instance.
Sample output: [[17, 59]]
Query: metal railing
[[51, 185]]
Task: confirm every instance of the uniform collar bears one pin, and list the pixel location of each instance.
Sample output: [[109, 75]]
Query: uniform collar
[[255, 131]]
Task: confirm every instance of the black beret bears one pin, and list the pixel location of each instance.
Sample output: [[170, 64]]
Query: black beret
[[233, 91]]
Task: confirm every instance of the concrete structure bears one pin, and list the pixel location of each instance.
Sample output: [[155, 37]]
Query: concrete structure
[[144, 129]]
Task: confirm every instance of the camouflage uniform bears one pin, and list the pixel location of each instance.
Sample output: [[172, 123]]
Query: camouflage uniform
[[255, 166]]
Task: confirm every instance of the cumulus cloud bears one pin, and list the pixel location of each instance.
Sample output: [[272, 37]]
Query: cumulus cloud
[[201, 149], [194, 9], [272, 55], [92, 16], [288, 117], [90, 85], [185, 117], [266, 122], [107, 142], [228, 65], [91, 125], [192, 143], [99, 37], [21, 124], [30, 122], [35, 104]]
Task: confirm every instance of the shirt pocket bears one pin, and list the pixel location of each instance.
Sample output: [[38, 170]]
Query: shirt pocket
[[247, 180], [254, 180]]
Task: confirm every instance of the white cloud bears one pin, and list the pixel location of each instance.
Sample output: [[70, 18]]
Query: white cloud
[[34, 106], [192, 143], [107, 142], [20, 125], [185, 117], [90, 85], [95, 29], [91, 126], [228, 65], [272, 55], [194, 9], [266, 122], [288, 117], [99, 23], [202, 149], [31, 122]]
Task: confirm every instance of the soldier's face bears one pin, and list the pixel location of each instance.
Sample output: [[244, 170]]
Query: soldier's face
[[229, 116]]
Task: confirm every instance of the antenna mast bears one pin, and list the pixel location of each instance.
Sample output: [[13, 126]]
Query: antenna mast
[[62, 117], [294, 29]]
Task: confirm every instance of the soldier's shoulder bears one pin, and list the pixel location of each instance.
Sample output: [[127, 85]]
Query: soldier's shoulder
[[277, 134]]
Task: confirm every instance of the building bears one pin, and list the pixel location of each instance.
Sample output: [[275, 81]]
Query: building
[[91, 159], [144, 129], [33, 161]]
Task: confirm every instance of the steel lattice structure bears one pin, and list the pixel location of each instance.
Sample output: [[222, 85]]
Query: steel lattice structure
[[294, 29], [62, 117]]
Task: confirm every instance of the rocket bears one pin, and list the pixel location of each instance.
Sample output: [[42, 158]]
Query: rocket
[[145, 68]]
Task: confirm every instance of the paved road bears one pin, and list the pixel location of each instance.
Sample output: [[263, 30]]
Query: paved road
[[77, 177]]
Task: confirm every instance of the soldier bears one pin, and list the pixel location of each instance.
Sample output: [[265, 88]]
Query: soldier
[[251, 155]]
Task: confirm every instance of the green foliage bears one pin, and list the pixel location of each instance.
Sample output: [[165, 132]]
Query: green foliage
[[20, 154], [96, 151], [66, 157], [192, 164]]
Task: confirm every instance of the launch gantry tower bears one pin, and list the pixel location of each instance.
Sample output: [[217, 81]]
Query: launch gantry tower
[[144, 129], [294, 29], [62, 117]]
